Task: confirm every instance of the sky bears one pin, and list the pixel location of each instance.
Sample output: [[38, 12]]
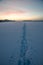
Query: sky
[[21, 9]]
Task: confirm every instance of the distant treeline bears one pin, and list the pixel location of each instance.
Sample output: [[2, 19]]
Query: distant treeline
[[21, 21], [7, 20], [32, 20]]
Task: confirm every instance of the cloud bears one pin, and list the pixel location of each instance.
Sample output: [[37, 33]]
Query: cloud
[[18, 12]]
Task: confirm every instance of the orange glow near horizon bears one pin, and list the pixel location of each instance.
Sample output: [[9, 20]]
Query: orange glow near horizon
[[19, 16]]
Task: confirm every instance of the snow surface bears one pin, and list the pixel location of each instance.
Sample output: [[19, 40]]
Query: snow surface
[[10, 42]]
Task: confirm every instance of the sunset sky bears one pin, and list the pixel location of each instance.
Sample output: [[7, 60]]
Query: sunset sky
[[21, 9]]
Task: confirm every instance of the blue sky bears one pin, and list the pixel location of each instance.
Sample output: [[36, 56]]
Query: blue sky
[[21, 9]]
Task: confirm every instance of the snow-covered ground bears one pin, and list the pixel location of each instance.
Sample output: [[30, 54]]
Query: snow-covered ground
[[10, 42]]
